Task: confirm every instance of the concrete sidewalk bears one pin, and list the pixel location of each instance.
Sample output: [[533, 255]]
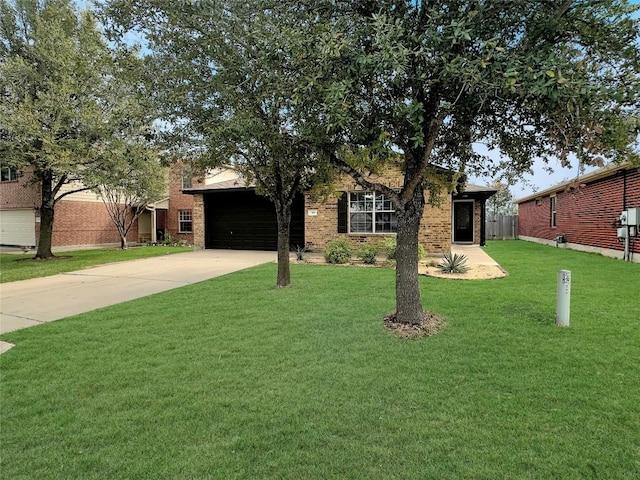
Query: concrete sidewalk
[[476, 256], [30, 302]]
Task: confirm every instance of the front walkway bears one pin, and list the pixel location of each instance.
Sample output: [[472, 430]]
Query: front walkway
[[475, 254]]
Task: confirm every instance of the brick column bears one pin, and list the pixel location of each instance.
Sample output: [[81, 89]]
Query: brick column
[[198, 222]]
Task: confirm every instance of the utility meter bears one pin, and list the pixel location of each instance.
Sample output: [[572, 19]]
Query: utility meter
[[633, 216]]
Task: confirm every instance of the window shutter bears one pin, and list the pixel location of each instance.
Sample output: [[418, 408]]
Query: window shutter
[[342, 212]]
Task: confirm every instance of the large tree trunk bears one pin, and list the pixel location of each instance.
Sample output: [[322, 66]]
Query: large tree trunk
[[283, 214], [408, 299], [46, 217], [123, 242]]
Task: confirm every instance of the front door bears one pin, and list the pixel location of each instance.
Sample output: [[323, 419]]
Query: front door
[[463, 221]]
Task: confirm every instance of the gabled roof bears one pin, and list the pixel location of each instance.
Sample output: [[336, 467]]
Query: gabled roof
[[237, 183], [608, 171], [469, 188]]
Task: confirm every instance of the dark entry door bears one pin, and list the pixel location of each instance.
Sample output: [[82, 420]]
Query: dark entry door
[[463, 222], [242, 220]]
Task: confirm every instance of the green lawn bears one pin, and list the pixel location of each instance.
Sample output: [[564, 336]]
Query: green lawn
[[21, 267], [233, 378]]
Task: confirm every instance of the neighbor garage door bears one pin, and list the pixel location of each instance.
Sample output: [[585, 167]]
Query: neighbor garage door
[[17, 227], [242, 220]]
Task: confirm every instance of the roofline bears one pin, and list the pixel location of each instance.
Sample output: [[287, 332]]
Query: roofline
[[608, 171], [212, 189]]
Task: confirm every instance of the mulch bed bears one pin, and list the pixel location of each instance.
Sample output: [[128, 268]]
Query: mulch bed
[[431, 324]]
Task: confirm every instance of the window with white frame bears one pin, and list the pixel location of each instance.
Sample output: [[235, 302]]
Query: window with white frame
[[553, 211], [8, 174], [371, 212], [185, 221]]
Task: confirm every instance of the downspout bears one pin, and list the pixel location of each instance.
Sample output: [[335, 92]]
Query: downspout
[[628, 241], [154, 225], [624, 189]]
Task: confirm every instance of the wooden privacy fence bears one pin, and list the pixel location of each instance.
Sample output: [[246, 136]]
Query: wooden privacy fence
[[501, 227]]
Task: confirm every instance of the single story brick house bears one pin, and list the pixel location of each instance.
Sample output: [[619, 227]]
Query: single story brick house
[[583, 213], [229, 214]]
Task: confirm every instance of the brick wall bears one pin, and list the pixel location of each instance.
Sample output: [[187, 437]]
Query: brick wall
[[179, 201], [587, 215], [75, 222], [435, 228], [198, 221], [85, 223], [477, 221], [20, 193]]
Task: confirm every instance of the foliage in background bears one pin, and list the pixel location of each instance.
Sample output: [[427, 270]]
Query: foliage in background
[[338, 250], [501, 203], [224, 77], [134, 182]]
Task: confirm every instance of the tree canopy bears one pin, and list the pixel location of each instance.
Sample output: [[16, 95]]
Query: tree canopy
[[225, 73], [533, 79], [61, 100]]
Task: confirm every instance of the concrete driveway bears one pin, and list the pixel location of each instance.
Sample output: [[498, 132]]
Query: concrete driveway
[[30, 302]]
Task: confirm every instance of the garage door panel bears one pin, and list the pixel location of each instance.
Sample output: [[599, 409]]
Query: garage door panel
[[246, 221], [17, 227]]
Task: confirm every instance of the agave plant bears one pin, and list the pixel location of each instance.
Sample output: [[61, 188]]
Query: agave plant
[[300, 251], [453, 263]]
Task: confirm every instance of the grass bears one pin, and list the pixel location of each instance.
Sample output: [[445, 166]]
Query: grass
[[235, 379], [15, 267]]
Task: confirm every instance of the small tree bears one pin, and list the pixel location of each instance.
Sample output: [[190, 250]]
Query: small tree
[[127, 191], [501, 203]]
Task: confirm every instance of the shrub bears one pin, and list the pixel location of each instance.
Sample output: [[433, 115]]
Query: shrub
[[453, 263], [388, 246], [338, 250], [367, 253]]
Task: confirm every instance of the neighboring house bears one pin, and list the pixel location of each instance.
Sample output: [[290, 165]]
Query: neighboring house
[[584, 214], [229, 214], [80, 218]]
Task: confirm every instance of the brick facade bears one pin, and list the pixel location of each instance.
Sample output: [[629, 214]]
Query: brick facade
[[321, 215], [86, 223], [75, 222], [586, 212], [179, 201], [435, 228], [198, 221]]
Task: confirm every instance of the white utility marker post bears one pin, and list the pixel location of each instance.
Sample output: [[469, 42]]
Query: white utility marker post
[[563, 305]]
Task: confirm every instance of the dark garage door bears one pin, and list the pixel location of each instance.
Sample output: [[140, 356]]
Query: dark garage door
[[242, 220]]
